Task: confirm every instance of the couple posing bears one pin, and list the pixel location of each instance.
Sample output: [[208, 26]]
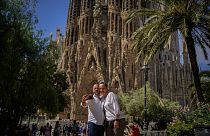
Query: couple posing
[[103, 106]]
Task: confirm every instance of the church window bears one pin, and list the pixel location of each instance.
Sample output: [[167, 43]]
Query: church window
[[76, 34], [113, 16], [82, 27], [126, 30], [132, 69], [160, 58], [81, 43], [120, 4], [104, 57], [86, 25], [176, 77], [85, 4], [92, 5], [78, 8], [88, 4], [127, 4], [131, 28], [120, 26], [129, 83], [72, 35], [116, 20], [132, 4]]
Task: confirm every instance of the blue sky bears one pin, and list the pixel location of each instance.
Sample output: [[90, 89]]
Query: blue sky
[[52, 14], [202, 62]]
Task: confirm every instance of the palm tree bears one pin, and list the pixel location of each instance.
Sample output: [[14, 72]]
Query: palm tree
[[205, 84], [190, 17]]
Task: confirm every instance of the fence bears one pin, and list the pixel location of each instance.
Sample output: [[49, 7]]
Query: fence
[[153, 133]]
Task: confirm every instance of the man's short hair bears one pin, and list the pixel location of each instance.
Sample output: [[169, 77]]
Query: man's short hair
[[95, 83], [102, 82]]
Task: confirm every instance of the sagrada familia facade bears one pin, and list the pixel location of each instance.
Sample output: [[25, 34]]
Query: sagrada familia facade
[[98, 47]]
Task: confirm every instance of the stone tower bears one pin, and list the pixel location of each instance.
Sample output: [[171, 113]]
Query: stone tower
[[98, 47]]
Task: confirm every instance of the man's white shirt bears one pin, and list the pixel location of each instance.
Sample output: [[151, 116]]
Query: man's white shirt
[[112, 107], [95, 110]]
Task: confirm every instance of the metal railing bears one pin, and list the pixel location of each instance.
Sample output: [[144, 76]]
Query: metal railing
[[153, 133]]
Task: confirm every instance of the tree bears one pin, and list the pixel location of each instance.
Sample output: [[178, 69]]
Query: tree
[[189, 17], [19, 46], [158, 110], [205, 84], [28, 77]]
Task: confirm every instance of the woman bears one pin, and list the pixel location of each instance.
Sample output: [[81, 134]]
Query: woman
[[114, 117], [134, 130]]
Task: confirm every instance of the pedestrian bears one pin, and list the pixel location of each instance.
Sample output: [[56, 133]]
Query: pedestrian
[[84, 129], [74, 128], [95, 112], [69, 130], [47, 130], [115, 118], [41, 131], [133, 130], [57, 129]]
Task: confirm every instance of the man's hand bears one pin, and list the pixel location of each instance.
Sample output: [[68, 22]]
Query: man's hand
[[84, 98], [83, 101]]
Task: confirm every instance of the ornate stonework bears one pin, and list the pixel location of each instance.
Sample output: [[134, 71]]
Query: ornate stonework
[[98, 47]]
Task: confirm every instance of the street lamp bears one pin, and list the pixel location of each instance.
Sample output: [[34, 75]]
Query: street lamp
[[145, 68]]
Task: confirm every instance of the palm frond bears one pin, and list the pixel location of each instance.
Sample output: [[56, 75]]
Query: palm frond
[[201, 37], [201, 44], [159, 25], [162, 41], [142, 12]]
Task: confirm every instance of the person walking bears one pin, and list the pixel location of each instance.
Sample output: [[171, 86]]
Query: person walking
[[57, 129], [95, 112], [115, 118]]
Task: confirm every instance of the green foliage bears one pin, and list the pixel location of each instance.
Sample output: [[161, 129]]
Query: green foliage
[[180, 129], [200, 116], [184, 125], [205, 85], [19, 50], [28, 77], [158, 110]]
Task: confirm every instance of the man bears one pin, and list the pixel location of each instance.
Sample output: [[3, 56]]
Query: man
[[115, 118], [95, 112]]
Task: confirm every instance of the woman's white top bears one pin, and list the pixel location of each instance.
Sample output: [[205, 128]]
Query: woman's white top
[[111, 106]]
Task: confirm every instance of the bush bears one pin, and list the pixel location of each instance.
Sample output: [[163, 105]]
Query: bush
[[158, 110], [200, 116], [180, 128]]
